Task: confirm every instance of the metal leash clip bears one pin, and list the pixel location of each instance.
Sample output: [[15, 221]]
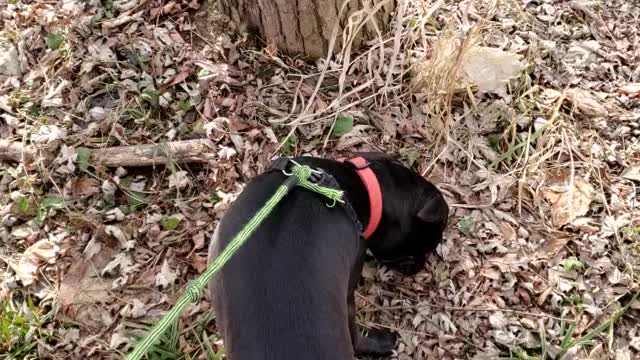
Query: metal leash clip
[[316, 174]]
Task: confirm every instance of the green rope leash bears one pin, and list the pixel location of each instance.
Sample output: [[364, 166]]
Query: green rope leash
[[300, 176]]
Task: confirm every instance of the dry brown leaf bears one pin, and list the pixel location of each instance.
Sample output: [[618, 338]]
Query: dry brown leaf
[[166, 276], [119, 337], [82, 290], [198, 240], [569, 198], [489, 68], [184, 73], [121, 20], [585, 102], [179, 179], [507, 231], [134, 310], [42, 252], [80, 188], [356, 136], [632, 90], [631, 173], [200, 263]]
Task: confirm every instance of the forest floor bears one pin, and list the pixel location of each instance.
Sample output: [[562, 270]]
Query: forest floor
[[526, 114]]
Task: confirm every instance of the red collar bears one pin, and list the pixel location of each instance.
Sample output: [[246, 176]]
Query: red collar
[[373, 190]]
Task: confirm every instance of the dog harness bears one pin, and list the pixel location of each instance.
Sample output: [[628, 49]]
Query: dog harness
[[368, 177], [372, 185]]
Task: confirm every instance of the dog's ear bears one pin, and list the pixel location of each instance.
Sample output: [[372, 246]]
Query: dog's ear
[[434, 211]]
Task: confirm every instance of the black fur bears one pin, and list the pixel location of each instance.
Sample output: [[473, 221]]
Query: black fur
[[288, 293]]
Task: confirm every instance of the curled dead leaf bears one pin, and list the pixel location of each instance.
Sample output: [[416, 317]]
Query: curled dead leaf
[[83, 187], [200, 263], [570, 197], [489, 68], [632, 173], [166, 276], [38, 254], [586, 102], [553, 243], [179, 179], [632, 90]]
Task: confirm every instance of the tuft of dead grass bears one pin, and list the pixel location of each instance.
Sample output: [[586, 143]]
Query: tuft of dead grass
[[439, 76]]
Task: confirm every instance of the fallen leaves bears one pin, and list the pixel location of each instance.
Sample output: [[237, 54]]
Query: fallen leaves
[[82, 187], [42, 252], [569, 196], [553, 243], [47, 133], [181, 76], [452, 65], [121, 264], [9, 60], [632, 90], [631, 173], [179, 179], [584, 101], [200, 263], [490, 69], [134, 310], [121, 20], [165, 277]]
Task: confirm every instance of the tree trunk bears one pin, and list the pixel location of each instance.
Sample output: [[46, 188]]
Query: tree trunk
[[305, 27]]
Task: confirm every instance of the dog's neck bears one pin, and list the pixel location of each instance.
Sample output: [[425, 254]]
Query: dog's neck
[[371, 183], [357, 193], [349, 180]]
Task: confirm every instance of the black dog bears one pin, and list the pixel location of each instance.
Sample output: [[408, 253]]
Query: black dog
[[288, 293]]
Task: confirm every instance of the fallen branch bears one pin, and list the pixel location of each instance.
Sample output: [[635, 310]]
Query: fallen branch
[[186, 151]]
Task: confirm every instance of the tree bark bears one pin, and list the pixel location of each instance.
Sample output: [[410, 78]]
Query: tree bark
[[305, 27]]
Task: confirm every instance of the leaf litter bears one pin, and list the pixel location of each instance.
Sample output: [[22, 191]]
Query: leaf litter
[[526, 115]]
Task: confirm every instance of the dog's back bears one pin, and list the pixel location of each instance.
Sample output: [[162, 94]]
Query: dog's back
[[283, 294]]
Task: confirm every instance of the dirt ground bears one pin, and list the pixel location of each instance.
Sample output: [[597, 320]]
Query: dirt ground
[[526, 114]]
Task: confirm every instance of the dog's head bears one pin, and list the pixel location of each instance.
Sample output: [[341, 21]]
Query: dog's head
[[414, 216]]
